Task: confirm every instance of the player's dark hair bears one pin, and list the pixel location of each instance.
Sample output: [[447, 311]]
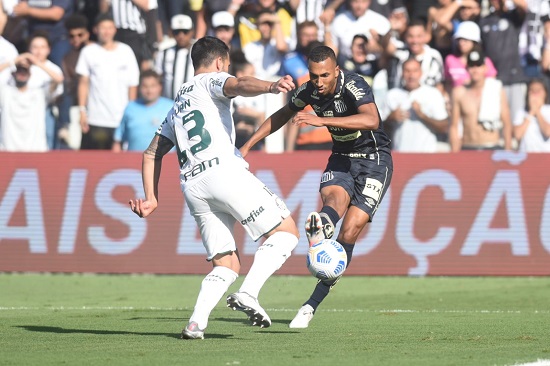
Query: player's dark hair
[[321, 53], [76, 21], [206, 50]]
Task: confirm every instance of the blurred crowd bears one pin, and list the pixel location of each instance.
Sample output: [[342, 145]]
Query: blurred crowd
[[447, 75]]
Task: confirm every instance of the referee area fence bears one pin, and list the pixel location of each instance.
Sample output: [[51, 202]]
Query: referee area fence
[[465, 214]]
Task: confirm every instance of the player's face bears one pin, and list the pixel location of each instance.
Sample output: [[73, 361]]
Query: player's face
[[150, 89], [324, 76]]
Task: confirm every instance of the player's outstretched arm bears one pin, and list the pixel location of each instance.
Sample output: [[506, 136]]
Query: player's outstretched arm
[[150, 172], [270, 125], [248, 86]]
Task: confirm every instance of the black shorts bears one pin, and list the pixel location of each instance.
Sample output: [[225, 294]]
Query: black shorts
[[366, 179]]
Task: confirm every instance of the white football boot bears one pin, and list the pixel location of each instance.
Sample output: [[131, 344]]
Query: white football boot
[[249, 305], [192, 331], [315, 230], [302, 319]]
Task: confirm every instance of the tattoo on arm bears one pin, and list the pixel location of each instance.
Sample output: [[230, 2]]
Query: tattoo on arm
[[159, 147]]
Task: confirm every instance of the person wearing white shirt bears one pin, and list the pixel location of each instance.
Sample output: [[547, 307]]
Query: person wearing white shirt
[[358, 20], [532, 126], [417, 112], [266, 54], [109, 75]]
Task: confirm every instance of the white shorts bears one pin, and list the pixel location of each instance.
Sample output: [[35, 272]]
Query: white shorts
[[233, 194]]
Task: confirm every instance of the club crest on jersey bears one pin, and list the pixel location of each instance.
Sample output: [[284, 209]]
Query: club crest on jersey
[[340, 106], [357, 92], [326, 177]]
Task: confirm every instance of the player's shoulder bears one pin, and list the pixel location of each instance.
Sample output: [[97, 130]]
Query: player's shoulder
[[355, 85]]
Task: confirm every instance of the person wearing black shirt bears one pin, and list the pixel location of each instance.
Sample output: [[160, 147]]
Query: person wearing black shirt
[[360, 168]]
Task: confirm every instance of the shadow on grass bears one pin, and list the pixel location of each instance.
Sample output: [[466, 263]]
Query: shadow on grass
[[59, 330]]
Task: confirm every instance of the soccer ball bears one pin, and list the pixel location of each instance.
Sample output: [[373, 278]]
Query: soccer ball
[[327, 259]]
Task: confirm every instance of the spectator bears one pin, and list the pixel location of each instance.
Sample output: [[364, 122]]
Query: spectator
[[174, 63], [8, 53], [532, 126], [531, 37], [48, 76], [248, 29], [388, 7], [134, 28], [266, 54], [223, 24], [467, 38], [48, 17], [108, 78], [79, 37], [360, 62], [304, 137], [482, 107], [430, 59], [440, 23], [249, 112], [143, 116], [22, 112], [415, 112], [322, 12], [500, 35], [359, 17]]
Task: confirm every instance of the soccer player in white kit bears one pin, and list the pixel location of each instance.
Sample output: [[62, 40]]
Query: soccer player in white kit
[[217, 186]]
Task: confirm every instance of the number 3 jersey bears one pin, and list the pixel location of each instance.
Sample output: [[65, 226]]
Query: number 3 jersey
[[201, 127], [352, 91]]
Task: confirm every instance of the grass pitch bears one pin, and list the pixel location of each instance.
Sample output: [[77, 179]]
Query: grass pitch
[[136, 320]]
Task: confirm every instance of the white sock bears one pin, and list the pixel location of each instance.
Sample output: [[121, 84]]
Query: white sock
[[269, 257], [213, 287]]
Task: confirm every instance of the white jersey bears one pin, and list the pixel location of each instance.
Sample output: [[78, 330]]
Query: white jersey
[[201, 127]]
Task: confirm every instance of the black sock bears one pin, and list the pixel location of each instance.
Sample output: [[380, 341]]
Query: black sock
[[329, 213], [322, 289]]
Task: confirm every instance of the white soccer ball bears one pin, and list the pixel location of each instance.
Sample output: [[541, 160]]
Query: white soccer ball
[[327, 259]]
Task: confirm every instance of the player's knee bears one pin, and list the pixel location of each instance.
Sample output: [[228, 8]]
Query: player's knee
[[282, 242]]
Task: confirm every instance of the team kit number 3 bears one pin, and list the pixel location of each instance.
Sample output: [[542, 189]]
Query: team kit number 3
[[198, 132]]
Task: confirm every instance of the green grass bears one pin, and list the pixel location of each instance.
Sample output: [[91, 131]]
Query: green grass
[[136, 320]]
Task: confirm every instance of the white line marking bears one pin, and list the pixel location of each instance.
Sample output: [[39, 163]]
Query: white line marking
[[538, 362], [379, 311]]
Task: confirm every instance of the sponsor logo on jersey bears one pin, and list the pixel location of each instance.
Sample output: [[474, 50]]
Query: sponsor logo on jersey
[[350, 137], [316, 108], [357, 92], [185, 89], [326, 177], [215, 82], [201, 167], [340, 106], [253, 214], [373, 189], [328, 114]]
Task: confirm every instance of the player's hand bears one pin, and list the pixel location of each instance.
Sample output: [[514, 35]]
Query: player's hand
[[142, 208], [307, 118], [283, 85]]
